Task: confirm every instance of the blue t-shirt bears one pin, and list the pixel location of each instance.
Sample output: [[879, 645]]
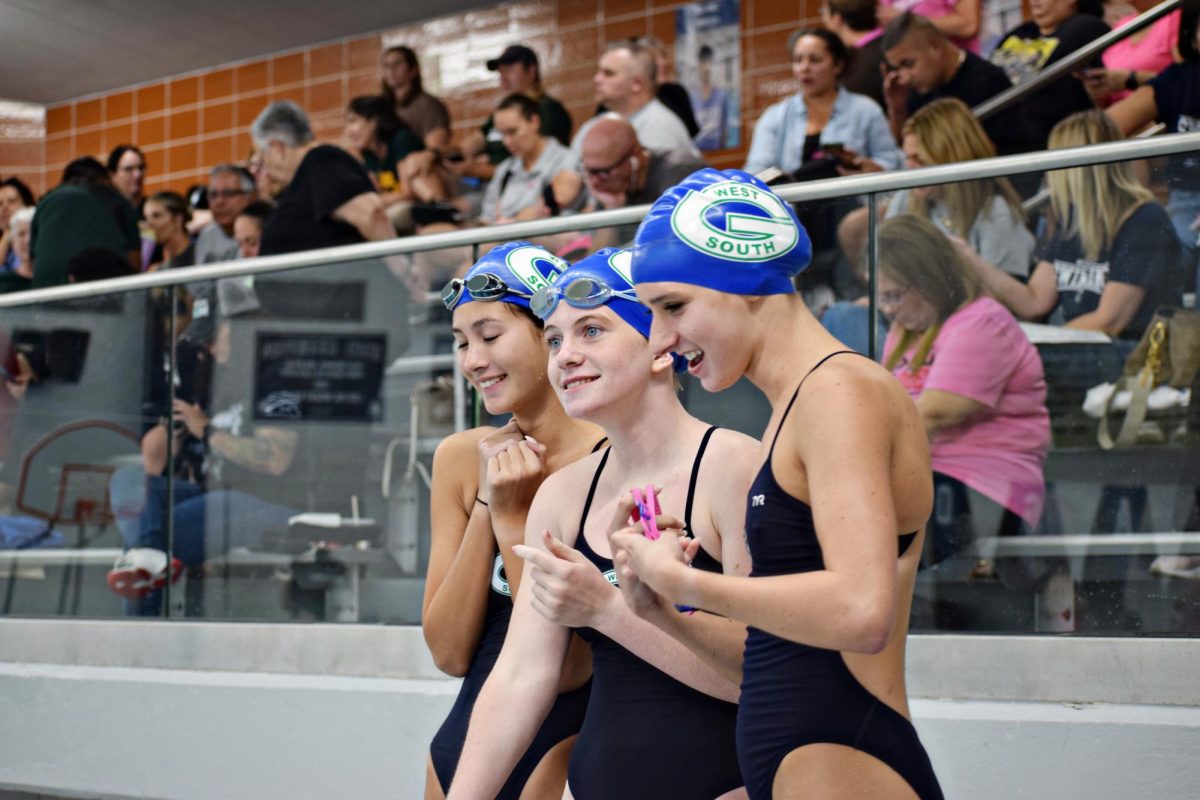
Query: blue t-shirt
[[1145, 253], [1177, 95]]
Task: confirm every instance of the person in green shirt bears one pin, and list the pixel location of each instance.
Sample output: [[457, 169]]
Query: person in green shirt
[[84, 212]]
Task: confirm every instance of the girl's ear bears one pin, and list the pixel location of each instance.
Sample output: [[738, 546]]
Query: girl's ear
[[663, 362]]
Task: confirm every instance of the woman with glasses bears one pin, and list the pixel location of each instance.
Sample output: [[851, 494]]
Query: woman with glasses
[[483, 482], [660, 719], [834, 516], [978, 384]]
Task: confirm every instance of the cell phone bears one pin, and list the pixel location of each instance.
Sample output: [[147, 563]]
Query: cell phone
[[454, 158], [833, 149], [550, 200]]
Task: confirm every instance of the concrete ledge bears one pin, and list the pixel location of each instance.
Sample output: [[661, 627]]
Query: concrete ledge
[[97, 732], [1049, 668]]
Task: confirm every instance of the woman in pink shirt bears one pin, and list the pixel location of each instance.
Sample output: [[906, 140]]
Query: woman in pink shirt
[[1136, 59], [958, 19], [977, 382]]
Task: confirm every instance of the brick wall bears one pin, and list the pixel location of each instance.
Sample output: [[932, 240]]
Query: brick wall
[[188, 123]]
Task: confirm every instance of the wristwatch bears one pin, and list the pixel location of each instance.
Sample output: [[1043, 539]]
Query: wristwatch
[[1131, 82]]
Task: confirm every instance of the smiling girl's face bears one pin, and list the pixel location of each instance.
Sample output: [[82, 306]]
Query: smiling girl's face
[[500, 352]]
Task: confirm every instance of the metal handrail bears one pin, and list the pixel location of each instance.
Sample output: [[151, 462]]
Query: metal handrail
[[874, 183], [1073, 59]]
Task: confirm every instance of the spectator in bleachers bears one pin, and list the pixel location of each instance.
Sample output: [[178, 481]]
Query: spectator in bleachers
[[424, 114], [959, 20], [854, 21], [790, 134], [230, 189], [520, 73], [710, 103], [923, 65], [18, 278], [626, 84], [127, 166], [83, 212], [167, 215], [1056, 29], [619, 171], [985, 215], [1136, 59], [248, 227], [1173, 98], [670, 92], [382, 140], [519, 187], [978, 384], [329, 198], [1113, 258], [14, 195]]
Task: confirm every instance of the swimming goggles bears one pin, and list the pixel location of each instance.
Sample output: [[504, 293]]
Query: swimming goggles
[[578, 292], [481, 286]]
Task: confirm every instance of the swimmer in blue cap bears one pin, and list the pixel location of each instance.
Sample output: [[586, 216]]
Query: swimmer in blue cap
[[483, 482], [660, 722], [835, 515]]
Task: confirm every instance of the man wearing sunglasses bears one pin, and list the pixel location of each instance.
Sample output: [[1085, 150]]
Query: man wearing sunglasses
[[230, 190], [618, 171]]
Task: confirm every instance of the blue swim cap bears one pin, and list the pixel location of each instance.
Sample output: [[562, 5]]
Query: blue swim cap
[[521, 269], [722, 230], [610, 267]]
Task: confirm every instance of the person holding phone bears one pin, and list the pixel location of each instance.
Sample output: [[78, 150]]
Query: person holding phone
[[823, 126], [660, 718], [516, 190]]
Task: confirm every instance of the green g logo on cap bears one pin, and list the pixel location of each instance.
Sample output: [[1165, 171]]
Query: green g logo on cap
[[621, 262], [534, 266], [735, 221]]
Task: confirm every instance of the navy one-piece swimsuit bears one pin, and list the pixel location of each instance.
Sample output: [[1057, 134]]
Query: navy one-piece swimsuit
[[794, 694], [563, 721], [646, 735]]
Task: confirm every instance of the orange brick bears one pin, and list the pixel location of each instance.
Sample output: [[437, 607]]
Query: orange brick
[[89, 144], [58, 119], [121, 133], [183, 157], [326, 96], [293, 93], [363, 54], [618, 8], [150, 130], [183, 124], [252, 77], [217, 117], [58, 151], [362, 83], [616, 31], [217, 84], [151, 99], [248, 109], [87, 113], [118, 106], [216, 150], [185, 91], [287, 69], [326, 61]]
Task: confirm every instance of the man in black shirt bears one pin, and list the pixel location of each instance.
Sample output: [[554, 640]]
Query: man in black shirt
[[922, 65], [329, 198]]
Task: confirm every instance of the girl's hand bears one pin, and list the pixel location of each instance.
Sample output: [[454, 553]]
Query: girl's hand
[[514, 475], [568, 589], [492, 445], [650, 571]]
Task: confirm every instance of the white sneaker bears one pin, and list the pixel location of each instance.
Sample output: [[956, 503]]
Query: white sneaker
[[140, 571]]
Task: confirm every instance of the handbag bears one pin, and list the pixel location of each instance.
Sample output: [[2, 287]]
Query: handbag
[[1167, 355]]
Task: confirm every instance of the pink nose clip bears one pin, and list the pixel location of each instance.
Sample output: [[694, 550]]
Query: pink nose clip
[[647, 508]]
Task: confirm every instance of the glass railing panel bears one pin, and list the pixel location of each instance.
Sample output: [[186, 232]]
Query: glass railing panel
[[1036, 526], [74, 403]]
